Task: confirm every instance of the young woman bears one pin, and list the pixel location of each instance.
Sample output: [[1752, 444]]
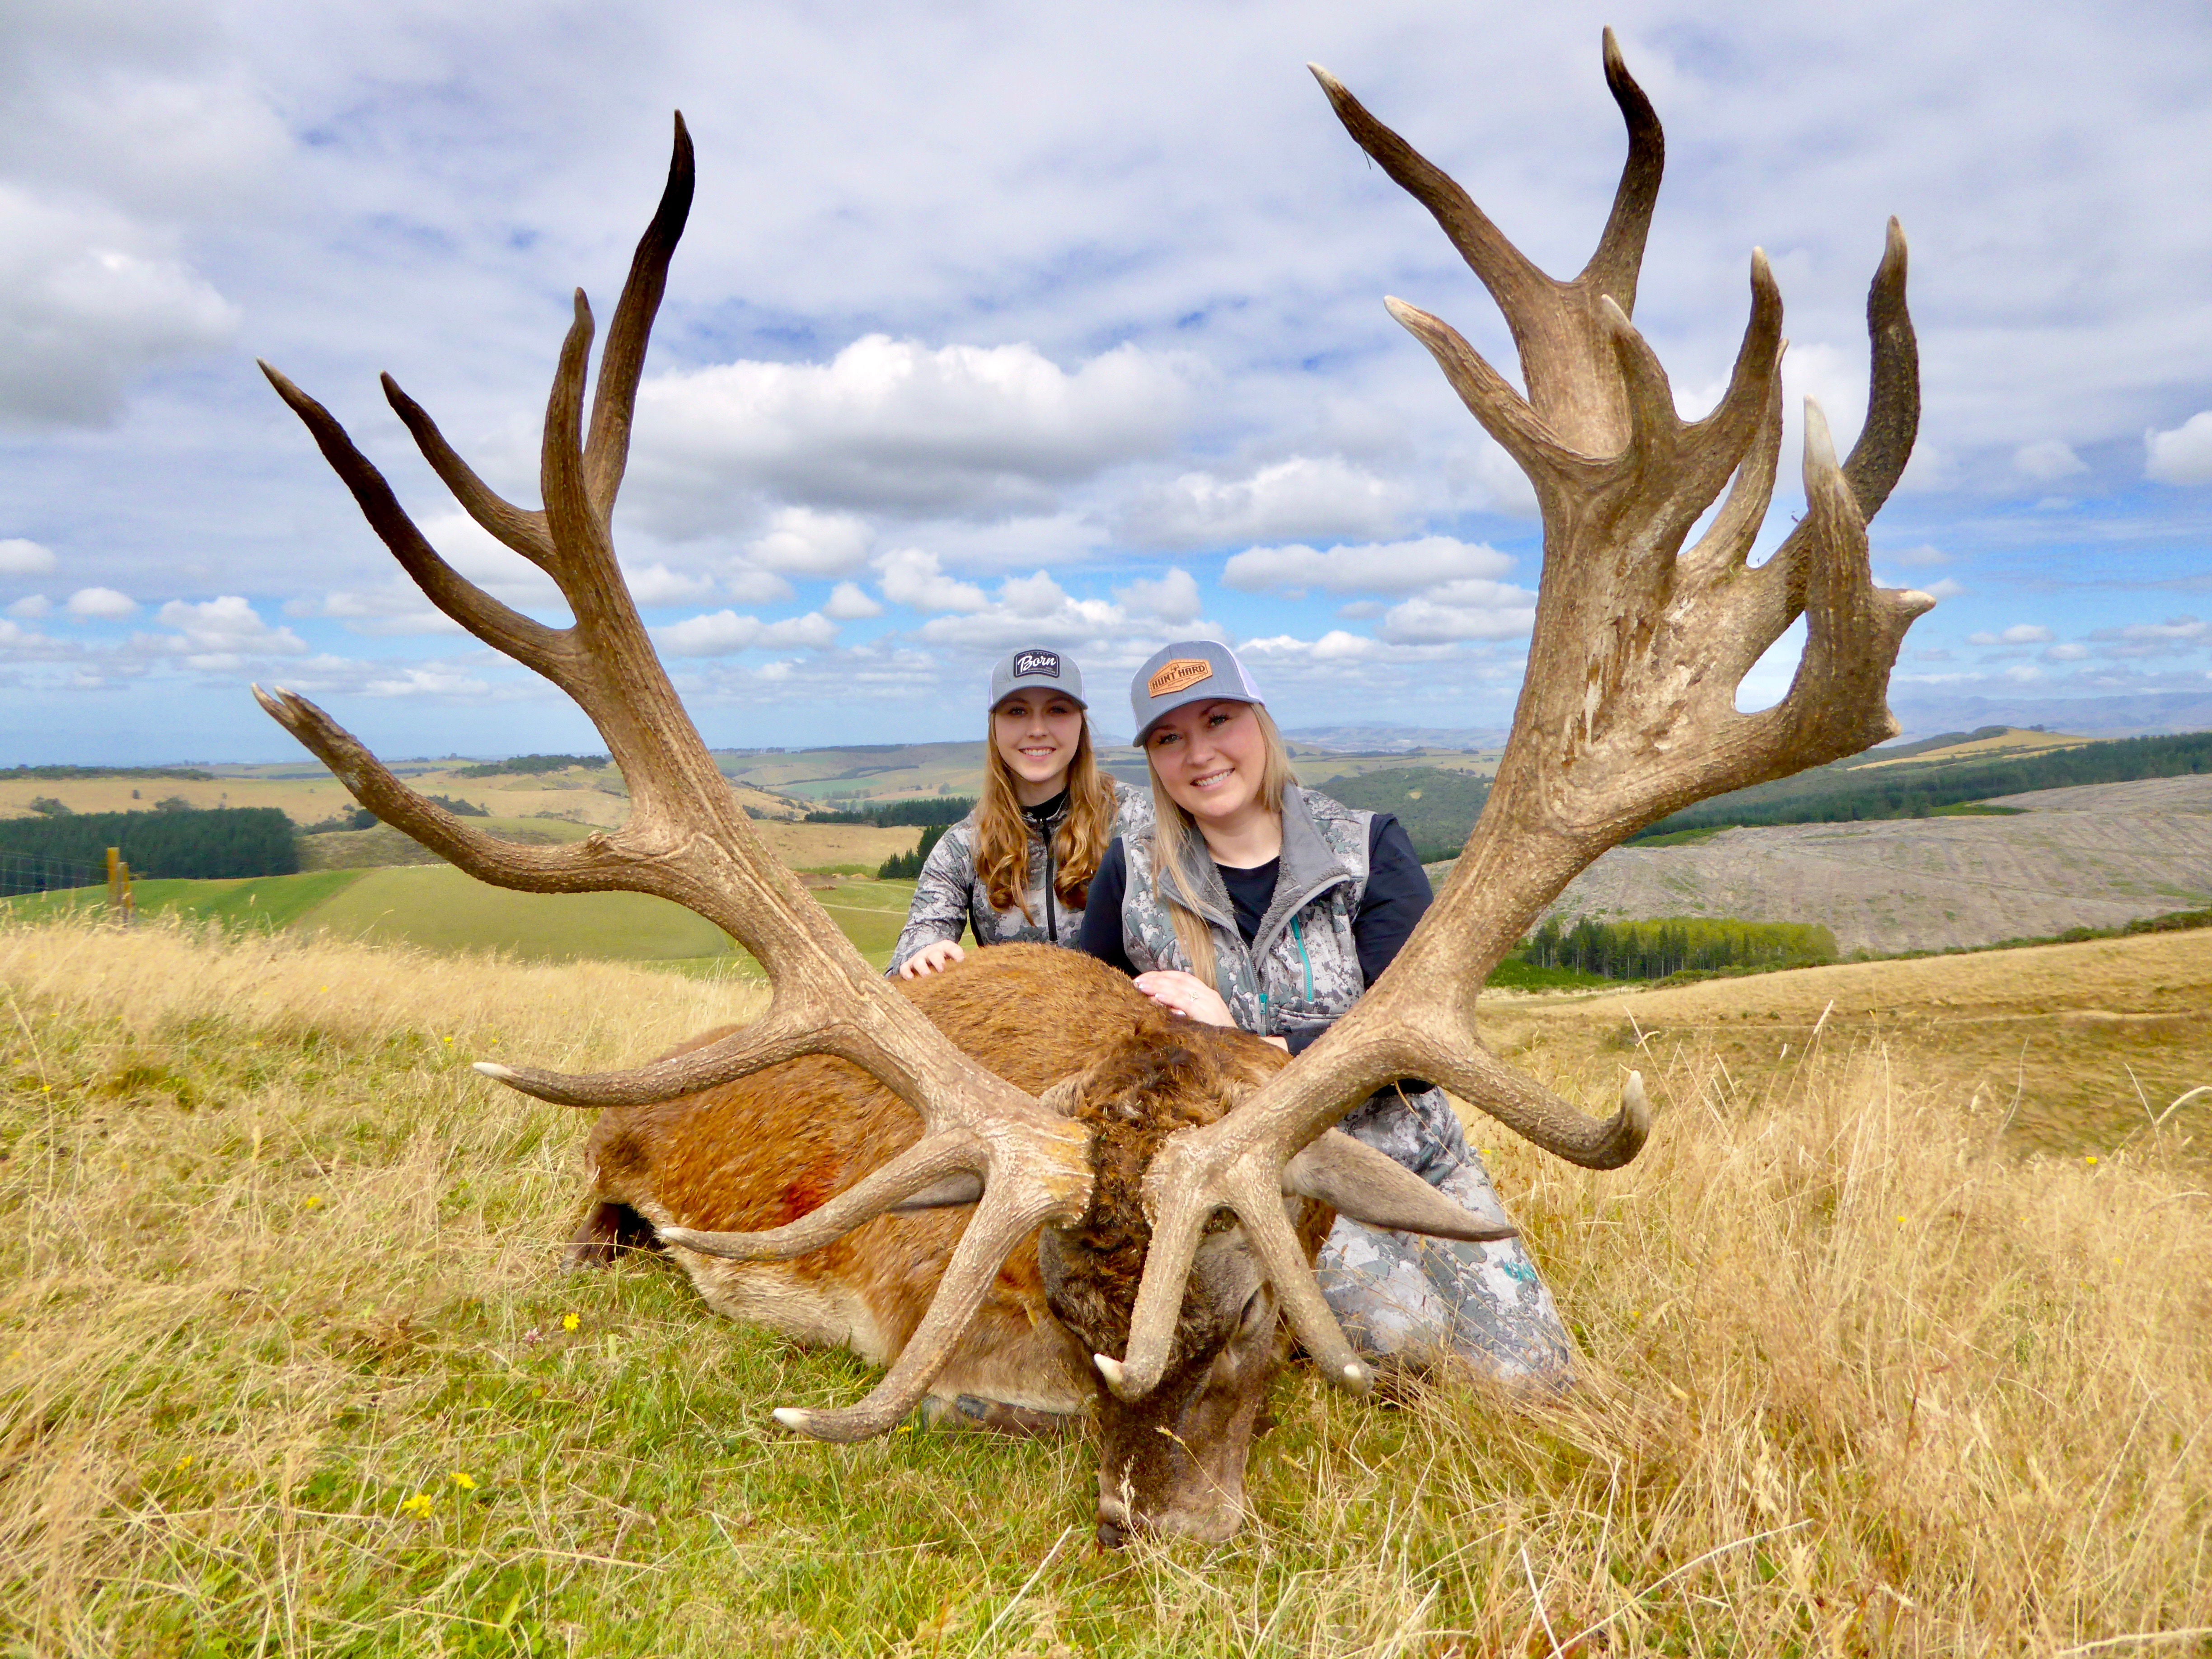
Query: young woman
[[1256, 903], [1019, 866]]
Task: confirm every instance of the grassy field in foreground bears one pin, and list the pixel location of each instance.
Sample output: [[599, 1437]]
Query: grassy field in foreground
[[287, 1363]]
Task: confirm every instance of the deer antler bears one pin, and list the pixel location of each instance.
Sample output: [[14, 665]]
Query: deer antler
[[687, 840], [1627, 712]]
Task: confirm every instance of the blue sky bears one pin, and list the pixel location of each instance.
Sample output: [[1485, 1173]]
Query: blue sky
[[994, 327]]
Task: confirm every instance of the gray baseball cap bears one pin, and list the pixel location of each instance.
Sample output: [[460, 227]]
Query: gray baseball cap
[[1038, 670], [1189, 670]]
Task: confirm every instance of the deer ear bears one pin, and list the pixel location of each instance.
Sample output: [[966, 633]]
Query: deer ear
[[1357, 1181], [961, 1187]]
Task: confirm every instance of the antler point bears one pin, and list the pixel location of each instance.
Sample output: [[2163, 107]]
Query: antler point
[[495, 1071]]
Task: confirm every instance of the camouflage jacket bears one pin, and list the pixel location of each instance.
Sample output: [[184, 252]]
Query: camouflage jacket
[[949, 896], [1301, 969]]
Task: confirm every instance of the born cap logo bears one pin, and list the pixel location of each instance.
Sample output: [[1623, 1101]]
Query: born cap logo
[[1046, 663], [1172, 676]]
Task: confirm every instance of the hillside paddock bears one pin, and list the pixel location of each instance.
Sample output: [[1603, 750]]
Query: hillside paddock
[[287, 1364]]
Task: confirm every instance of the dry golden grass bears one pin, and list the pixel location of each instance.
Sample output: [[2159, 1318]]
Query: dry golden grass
[[279, 1269]]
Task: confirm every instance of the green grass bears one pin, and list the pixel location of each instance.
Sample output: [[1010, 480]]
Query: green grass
[[257, 901], [1514, 976], [280, 1269]]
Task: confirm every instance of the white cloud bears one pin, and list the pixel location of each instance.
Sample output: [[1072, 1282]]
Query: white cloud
[[2018, 634], [1171, 599], [434, 681], [726, 632], [2023, 671], [801, 542], [913, 578], [2067, 652], [1373, 568], [1034, 610], [1316, 496], [750, 586], [896, 424], [1472, 610], [1335, 646], [19, 557], [31, 607], [2180, 628], [656, 584], [228, 626], [849, 602], [88, 300], [2047, 461], [2183, 456], [101, 603], [1944, 588]]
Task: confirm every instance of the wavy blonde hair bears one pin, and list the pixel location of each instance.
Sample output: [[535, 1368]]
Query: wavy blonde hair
[[1173, 829], [1002, 838]]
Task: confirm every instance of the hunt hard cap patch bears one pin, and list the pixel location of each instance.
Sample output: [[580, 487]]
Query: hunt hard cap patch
[[1175, 676], [1187, 670]]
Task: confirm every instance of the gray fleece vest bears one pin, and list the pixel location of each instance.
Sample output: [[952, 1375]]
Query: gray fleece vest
[[1301, 969]]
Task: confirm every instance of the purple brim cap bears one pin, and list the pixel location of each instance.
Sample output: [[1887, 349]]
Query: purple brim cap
[[1189, 670]]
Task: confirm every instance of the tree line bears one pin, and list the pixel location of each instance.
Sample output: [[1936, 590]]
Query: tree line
[[939, 809], [1845, 792], [530, 765], [80, 773], [1674, 944], [197, 843], [905, 866]]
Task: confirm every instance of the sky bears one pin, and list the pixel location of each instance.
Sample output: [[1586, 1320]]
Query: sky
[[1002, 326]]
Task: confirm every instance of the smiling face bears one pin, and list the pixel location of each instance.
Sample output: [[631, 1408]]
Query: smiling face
[[1212, 758], [1035, 733]]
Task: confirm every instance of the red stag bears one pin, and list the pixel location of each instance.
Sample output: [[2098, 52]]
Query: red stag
[[1019, 1180]]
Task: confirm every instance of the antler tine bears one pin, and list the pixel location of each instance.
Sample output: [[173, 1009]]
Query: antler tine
[[998, 1225], [522, 528], [499, 626], [929, 1160], [620, 366], [1619, 260], [1627, 712], [606, 452], [1514, 282]]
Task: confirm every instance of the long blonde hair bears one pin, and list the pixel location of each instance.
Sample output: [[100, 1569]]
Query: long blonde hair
[[1173, 829], [1002, 837]]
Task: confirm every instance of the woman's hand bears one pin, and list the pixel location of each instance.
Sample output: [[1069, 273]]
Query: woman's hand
[[930, 959], [1185, 994]]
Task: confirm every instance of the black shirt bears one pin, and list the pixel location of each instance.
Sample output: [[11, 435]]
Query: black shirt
[[1396, 896]]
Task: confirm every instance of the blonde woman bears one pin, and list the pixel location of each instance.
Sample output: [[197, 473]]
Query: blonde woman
[[1019, 866], [1256, 903]]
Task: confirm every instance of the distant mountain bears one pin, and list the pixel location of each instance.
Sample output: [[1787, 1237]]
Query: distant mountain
[[1396, 739], [1922, 714]]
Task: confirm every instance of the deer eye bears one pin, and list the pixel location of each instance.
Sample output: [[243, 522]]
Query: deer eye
[[1258, 1309]]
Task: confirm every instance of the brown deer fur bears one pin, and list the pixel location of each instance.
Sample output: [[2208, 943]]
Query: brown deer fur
[[764, 1150]]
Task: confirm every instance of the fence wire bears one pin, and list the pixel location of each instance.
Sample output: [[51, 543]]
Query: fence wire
[[35, 872]]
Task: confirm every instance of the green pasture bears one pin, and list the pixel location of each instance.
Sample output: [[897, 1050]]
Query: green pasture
[[256, 901], [438, 907]]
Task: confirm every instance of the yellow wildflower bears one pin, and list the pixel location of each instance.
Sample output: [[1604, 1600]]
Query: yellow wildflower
[[570, 1322], [418, 1505], [462, 1480], [2092, 1157], [314, 1200]]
